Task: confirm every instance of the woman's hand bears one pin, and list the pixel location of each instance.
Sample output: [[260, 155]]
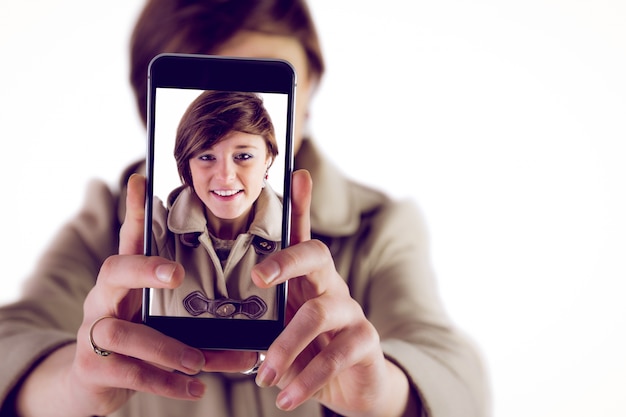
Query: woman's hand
[[329, 350], [75, 380]]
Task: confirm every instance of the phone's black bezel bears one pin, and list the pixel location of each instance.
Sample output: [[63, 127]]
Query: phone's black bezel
[[206, 72]]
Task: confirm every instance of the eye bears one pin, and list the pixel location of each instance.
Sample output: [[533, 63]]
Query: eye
[[206, 157], [244, 156]]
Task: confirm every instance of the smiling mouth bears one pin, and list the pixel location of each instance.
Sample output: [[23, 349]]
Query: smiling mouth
[[226, 193]]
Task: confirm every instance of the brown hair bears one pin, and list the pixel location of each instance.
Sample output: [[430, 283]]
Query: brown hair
[[211, 117], [201, 26]]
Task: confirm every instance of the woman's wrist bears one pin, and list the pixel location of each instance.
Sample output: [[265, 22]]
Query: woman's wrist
[[403, 400], [44, 392]]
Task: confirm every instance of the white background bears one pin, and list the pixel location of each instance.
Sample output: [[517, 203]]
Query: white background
[[504, 120]]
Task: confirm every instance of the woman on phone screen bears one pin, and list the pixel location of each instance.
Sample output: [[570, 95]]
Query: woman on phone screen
[[225, 217]]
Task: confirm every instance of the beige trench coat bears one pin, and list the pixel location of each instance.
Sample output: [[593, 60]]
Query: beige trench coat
[[181, 234], [380, 248]]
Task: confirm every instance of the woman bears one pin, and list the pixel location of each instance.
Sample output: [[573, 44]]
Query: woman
[[367, 334], [225, 218]]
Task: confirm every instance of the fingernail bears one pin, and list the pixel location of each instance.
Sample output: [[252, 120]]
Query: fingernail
[[268, 271], [284, 401], [192, 360], [165, 272], [196, 388], [265, 377]]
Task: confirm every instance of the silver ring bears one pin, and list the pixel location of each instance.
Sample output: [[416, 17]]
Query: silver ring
[[97, 349], [260, 358]]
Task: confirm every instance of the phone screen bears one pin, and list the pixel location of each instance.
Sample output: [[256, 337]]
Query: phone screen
[[219, 164]]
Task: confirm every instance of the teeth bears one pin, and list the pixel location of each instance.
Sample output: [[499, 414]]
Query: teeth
[[226, 193]]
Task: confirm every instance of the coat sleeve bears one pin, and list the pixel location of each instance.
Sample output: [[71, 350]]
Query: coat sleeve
[[50, 309], [395, 284]]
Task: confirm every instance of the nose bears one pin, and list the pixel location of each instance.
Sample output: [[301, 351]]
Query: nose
[[226, 169]]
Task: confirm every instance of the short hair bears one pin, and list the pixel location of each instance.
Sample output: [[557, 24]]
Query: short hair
[[202, 26], [211, 117]]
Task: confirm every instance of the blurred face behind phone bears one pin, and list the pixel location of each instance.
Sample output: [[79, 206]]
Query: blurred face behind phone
[[280, 29]]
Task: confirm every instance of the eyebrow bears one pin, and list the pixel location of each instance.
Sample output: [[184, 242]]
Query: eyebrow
[[247, 146]]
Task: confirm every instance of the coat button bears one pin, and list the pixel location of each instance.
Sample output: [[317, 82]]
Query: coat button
[[225, 310], [263, 246]]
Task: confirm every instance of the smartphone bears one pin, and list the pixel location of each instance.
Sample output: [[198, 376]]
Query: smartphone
[[218, 166]]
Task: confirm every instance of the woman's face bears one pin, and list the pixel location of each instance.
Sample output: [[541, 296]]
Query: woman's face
[[229, 176], [261, 45]]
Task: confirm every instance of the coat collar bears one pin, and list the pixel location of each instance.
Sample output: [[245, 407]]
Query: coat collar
[[186, 214]]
